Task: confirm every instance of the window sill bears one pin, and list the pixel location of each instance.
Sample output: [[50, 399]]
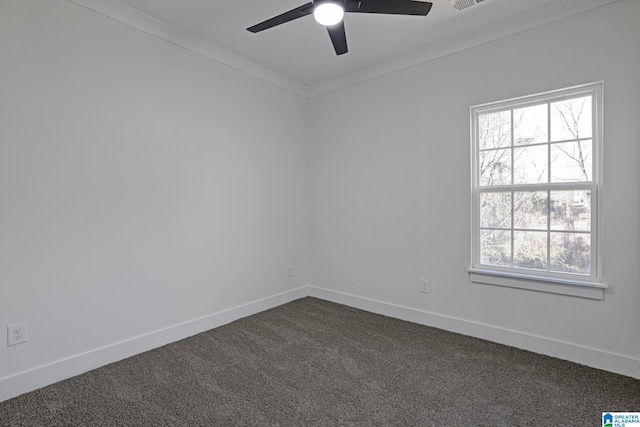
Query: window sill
[[577, 288]]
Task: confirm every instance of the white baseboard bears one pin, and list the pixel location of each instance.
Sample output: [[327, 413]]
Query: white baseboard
[[41, 376], [594, 358]]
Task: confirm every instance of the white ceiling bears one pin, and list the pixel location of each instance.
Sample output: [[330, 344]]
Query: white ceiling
[[299, 56]]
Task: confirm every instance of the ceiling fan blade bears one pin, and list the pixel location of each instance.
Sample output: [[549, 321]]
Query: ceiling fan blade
[[338, 38], [393, 7], [296, 13]]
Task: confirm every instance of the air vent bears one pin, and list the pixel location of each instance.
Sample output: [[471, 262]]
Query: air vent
[[463, 4]]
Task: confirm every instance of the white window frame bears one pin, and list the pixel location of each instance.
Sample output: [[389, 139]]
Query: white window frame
[[587, 286]]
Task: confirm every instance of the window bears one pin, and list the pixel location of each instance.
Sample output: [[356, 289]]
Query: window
[[537, 172]]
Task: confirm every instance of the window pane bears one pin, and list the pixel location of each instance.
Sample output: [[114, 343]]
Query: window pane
[[571, 252], [495, 167], [571, 161], [530, 164], [571, 119], [495, 130], [495, 247], [530, 249], [571, 210], [530, 210], [495, 210], [530, 125], [535, 168]]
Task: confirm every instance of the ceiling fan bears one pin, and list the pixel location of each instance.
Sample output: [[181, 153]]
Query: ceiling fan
[[330, 13]]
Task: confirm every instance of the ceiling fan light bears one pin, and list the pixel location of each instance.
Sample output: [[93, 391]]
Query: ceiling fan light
[[328, 13]]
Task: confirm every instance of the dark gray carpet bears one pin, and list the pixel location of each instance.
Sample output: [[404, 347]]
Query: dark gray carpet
[[312, 362]]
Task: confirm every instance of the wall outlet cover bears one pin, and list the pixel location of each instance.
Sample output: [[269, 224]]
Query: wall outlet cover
[[16, 334], [424, 286]]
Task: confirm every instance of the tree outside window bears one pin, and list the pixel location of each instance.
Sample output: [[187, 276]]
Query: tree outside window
[[536, 183]]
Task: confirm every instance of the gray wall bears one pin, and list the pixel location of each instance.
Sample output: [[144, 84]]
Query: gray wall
[[390, 181], [141, 185]]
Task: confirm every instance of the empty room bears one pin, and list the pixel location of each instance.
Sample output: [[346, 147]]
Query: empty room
[[222, 213]]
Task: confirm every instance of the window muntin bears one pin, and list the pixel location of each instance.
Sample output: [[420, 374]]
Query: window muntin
[[536, 184]]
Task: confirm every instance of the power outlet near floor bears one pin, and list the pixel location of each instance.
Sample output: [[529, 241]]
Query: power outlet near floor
[[289, 270], [424, 286], [16, 334]]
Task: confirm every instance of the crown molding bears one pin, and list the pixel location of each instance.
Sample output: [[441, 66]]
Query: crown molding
[[134, 18], [553, 12], [539, 17]]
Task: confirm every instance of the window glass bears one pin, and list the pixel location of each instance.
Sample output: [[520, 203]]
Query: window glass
[[535, 183]]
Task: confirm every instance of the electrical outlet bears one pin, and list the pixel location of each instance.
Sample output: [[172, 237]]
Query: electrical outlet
[[289, 270], [16, 334], [424, 286]]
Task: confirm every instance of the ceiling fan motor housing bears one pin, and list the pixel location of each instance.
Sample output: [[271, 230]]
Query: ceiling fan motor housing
[[319, 2]]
